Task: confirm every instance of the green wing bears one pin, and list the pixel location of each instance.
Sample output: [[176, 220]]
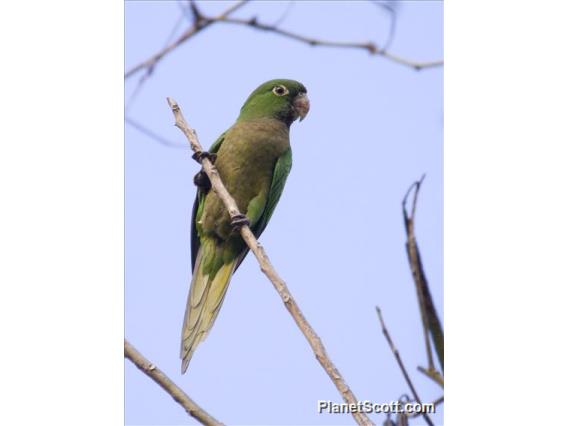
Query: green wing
[[199, 199], [281, 172]]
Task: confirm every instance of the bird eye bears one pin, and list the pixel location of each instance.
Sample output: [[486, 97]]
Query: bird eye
[[280, 90]]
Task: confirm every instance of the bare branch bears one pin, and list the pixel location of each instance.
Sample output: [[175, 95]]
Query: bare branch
[[430, 321], [145, 76], [284, 15], [196, 13], [415, 267], [432, 374], [170, 387], [387, 7], [267, 268], [153, 135], [198, 26], [201, 22], [370, 47], [401, 365]]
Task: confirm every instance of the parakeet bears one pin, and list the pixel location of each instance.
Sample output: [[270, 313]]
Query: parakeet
[[253, 158]]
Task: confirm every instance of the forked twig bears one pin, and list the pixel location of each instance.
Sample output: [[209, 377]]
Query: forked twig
[[199, 25], [432, 374], [430, 321]]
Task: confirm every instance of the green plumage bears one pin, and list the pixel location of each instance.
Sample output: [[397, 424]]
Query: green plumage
[[253, 159]]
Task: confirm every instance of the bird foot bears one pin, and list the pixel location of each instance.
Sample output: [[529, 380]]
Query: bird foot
[[238, 221], [201, 180], [199, 156]]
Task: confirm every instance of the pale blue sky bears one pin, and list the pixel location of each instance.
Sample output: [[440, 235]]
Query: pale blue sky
[[337, 236]]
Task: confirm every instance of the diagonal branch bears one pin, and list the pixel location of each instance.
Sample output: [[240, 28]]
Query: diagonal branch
[[170, 387], [267, 268], [153, 135], [430, 321], [401, 365], [200, 24]]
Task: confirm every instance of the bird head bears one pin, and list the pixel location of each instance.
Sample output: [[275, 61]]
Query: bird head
[[285, 100]]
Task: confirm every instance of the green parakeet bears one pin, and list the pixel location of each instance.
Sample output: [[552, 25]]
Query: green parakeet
[[253, 158]]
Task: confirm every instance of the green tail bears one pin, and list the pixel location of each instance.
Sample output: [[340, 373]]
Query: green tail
[[209, 284]]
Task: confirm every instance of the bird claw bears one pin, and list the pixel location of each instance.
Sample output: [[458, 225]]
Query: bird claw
[[201, 180], [199, 156], [238, 221]]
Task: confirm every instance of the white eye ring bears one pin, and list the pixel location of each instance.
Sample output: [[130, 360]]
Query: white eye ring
[[280, 90]]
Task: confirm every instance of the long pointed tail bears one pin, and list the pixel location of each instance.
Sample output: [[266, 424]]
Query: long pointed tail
[[203, 304]]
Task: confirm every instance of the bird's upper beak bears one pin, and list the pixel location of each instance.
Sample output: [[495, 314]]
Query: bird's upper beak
[[301, 105]]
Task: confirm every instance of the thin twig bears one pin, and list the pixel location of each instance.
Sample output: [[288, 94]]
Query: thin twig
[[401, 364], [195, 12], [370, 47], [392, 21], [284, 15], [153, 135], [435, 403], [170, 387], [199, 25], [430, 321], [202, 22], [144, 77], [432, 374], [411, 249], [267, 268]]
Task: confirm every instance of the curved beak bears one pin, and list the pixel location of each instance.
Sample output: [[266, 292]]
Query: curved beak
[[301, 105]]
